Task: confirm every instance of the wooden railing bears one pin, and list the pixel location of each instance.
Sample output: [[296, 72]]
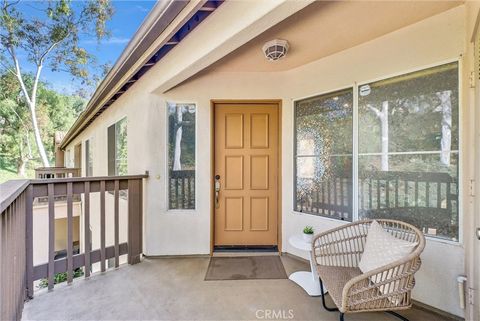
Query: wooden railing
[[383, 194], [56, 172], [182, 189], [13, 248], [17, 272]]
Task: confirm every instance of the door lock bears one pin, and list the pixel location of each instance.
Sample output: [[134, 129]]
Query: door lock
[[478, 233], [217, 191]]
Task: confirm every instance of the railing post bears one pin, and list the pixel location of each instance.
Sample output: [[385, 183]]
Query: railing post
[[29, 241], [135, 226]]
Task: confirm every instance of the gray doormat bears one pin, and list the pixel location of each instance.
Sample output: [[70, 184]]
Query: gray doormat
[[245, 268]]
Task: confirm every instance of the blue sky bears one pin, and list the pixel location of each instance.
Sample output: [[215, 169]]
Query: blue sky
[[127, 18]]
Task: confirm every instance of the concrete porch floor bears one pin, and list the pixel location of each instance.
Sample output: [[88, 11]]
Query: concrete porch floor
[[174, 289]]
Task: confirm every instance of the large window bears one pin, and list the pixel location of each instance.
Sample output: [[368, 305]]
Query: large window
[[407, 154], [181, 155], [117, 148], [324, 155], [408, 150]]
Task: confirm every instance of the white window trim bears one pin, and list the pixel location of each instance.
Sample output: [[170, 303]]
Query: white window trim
[[355, 137], [177, 211]]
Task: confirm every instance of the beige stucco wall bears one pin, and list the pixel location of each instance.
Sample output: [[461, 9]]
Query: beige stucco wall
[[432, 41], [40, 229]]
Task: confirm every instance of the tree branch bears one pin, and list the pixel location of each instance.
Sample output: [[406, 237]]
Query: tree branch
[[377, 112], [49, 49], [19, 75], [35, 85], [8, 68], [7, 4], [19, 118]]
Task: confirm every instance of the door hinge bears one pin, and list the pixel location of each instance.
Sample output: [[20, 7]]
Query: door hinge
[[472, 79], [472, 187]]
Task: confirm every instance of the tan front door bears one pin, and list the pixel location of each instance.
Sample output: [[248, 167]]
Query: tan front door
[[246, 165]]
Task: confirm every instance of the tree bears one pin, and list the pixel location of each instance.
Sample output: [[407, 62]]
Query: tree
[[15, 128], [50, 39], [383, 117], [55, 112], [445, 108], [177, 164]]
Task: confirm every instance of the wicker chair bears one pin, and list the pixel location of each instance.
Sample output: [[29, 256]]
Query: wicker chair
[[337, 254]]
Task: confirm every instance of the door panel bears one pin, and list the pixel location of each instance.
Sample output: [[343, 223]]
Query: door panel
[[246, 160]]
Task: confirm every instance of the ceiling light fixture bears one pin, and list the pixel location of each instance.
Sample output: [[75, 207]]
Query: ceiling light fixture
[[275, 49]]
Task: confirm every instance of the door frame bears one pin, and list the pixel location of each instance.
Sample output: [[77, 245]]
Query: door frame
[[473, 269], [213, 103]]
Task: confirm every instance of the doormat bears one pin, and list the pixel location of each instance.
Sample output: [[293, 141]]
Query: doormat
[[245, 268]]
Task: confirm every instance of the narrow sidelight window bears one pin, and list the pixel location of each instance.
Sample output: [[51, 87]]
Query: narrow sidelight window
[[181, 155], [88, 158], [409, 149], [117, 148], [323, 155]]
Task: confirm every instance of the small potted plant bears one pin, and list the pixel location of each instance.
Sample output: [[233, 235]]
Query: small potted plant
[[308, 234]]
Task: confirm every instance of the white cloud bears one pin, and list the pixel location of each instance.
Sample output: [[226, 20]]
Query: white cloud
[[109, 41], [142, 8]]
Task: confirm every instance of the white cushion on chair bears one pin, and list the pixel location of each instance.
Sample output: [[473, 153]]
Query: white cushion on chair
[[382, 248]]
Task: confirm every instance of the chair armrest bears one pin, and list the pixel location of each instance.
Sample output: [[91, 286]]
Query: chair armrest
[[386, 287], [341, 246]]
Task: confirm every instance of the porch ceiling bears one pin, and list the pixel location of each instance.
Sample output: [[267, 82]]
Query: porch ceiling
[[174, 289], [324, 28]]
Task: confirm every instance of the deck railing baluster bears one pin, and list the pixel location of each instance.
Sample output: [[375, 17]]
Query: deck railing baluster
[[116, 223], [87, 245], [102, 226], [51, 236], [69, 232], [29, 240]]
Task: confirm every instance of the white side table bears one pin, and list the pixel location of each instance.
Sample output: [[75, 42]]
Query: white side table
[[309, 281]]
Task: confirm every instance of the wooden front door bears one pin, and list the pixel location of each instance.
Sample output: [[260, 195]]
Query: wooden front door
[[246, 174]]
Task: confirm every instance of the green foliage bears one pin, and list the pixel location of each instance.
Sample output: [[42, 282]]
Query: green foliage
[[8, 173], [51, 37], [56, 112], [308, 230], [60, 277], [414, 121]]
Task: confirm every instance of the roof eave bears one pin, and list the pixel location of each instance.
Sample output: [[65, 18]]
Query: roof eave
[[160, 17]]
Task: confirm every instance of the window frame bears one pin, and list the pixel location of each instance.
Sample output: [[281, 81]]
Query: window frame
[[167, 155], [355, 132], [66, 158], [114, 123], [85, 158], [294, 125]]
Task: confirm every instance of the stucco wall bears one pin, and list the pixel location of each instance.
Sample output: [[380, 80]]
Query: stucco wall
[[432, 41], [40, 229]]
